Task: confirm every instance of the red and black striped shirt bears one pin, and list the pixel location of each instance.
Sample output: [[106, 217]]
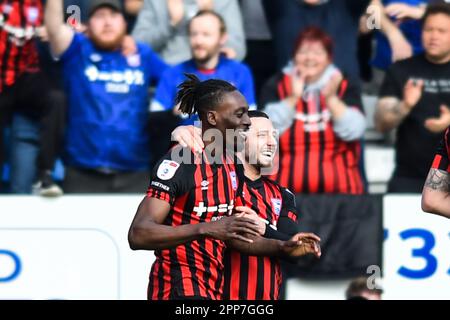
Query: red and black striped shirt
[[257, 277], [18, 53], [312, 158], [442, 158], [197, 193]]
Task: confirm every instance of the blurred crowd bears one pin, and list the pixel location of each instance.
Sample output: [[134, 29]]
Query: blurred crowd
[[87, 88]]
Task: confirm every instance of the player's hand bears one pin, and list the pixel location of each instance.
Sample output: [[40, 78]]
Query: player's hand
[[302, 244], [189, 136], [232, 228], [438, 125], [251, 214], [128, 46], [412, 92]]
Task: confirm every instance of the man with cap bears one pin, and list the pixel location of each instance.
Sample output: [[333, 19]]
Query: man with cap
[[106, 144]]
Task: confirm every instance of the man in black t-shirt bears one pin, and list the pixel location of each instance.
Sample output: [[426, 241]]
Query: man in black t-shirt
[[415, 99]]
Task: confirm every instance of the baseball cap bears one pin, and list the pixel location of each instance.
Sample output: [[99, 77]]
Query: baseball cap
[[95, 4]]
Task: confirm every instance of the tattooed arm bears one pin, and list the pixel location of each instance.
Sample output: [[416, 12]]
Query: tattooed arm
[[436, 193]]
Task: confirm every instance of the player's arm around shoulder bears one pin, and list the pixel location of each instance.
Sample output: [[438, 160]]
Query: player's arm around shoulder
[[60, 34]]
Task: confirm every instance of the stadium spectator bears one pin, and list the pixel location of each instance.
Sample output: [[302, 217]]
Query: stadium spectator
[[207, 34], [358, 289], [106, 146], [436, 191], [162, 24], [340, 19], [169, 223], [23, 86], [319, 117], [415, 100]]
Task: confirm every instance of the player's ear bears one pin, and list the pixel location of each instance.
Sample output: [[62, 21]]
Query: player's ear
[[211, 117]]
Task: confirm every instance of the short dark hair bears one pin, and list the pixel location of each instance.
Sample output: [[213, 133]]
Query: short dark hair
[[222, 24], [195, 96], [436, 8], [358, 286], [257, 114]]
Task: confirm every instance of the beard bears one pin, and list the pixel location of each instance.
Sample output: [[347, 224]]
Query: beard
[[205, 57], [107, 45]]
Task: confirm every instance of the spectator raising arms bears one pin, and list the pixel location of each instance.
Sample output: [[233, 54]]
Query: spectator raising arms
[[318, 113], [415, 99], [107, 144]]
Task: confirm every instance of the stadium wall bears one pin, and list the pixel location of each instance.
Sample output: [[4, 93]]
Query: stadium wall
[[75, 247]]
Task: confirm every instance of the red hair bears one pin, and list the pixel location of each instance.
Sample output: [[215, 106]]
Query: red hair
[[315, 34]]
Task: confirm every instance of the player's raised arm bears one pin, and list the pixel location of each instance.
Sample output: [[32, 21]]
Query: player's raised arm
[[60, 34]]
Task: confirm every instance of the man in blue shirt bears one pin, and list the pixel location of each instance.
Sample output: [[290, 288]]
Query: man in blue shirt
[[207, 35], [107, 145]]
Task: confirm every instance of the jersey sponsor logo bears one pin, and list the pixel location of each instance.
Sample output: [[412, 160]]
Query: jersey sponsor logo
[[201, 208], [167, 169], [129, 77], [233, 180], [276, 204], [160, 185], [134, 60]]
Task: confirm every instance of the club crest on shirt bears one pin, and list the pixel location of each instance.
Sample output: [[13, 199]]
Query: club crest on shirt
[[233, 180], [167, 169], [134, 60], [7, 8], [95, 57], [32, 14], [276, 204]]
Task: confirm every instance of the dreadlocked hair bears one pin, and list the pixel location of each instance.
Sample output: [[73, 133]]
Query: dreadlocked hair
[[195, 96]]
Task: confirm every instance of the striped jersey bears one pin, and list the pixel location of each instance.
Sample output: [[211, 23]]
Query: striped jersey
[[442, 157], [312, 158], [258, 277], [18, 53], [197, 193]]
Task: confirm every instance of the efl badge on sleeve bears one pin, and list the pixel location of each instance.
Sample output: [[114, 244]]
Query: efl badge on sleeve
[[167, 169], [276, 203]]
